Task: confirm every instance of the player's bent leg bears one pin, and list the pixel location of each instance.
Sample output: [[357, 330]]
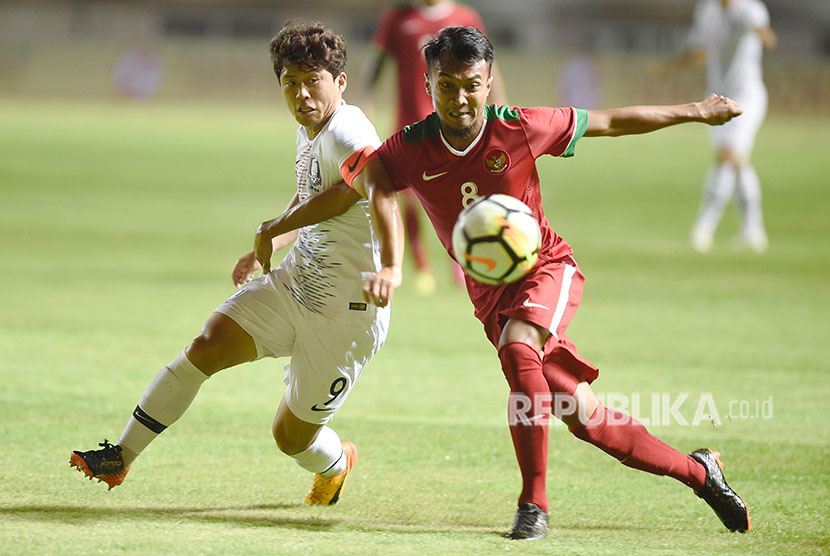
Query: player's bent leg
[[221, 344], [315, 448], [626, 439], [292, 434]]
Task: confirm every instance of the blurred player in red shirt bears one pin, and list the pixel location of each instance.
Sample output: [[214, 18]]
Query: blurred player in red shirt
[[402, 33]]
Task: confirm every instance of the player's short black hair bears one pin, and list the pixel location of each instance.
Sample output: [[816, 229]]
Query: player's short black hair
[[466, 44], [310, 46]]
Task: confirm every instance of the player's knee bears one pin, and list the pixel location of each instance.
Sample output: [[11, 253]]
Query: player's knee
[[585, 406], [287, 441], [220, 344], [202, 354], [729, 156]]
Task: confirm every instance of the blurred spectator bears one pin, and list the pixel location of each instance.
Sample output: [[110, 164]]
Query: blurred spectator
[[137, 72], [578, 83]]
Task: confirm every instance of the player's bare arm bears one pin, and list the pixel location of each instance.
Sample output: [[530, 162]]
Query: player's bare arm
[[329, 203], [768, 37], [632, 120], [373, 183]]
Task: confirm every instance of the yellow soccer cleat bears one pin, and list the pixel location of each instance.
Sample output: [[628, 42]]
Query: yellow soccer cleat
[[325, 492]]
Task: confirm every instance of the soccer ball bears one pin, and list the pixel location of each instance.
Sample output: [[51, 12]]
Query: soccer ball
[[496, 240]]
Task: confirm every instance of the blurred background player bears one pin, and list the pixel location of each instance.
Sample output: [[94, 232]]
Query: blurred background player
[[138, 72], [527, 320], [310, 308], [729, 36], [401, 35]]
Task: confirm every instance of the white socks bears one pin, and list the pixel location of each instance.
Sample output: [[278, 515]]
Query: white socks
[[749, 203], [722, 182], [169, 395], [325, 455], [719, 188], [166, 399]]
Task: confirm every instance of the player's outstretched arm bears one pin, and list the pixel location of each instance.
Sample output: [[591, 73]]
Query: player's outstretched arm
[[374, 184], [632, 120], [329, 203]]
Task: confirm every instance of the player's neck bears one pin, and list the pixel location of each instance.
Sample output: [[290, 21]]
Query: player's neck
[[461, 142]]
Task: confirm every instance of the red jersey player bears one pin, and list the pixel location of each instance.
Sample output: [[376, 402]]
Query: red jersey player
[[402, 33], [468, 149]]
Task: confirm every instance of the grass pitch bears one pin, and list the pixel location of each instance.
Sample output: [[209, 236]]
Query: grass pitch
[[119, 226]]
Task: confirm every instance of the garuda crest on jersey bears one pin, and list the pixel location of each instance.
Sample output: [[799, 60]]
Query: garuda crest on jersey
[[496, 161]]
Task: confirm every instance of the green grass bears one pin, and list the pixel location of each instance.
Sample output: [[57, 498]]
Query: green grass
[[119, 225]]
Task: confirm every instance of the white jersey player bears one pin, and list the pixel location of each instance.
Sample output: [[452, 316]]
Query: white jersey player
[[311, 307], [731, 35]]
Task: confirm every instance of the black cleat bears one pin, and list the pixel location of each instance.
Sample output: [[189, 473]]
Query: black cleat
[[105, 465], [530, 523], [729, 507]]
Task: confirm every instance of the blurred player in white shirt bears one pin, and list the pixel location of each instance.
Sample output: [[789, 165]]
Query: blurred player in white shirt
[[730, 36], [310, 308]]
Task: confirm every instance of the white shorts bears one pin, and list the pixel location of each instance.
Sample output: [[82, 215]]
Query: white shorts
[[327, 355], [738, 134]]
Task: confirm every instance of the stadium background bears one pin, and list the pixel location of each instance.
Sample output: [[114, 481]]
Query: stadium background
[[215, 49], [120, 220]]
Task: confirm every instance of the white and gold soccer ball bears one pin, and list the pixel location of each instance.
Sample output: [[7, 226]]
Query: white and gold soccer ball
[[496, 239]]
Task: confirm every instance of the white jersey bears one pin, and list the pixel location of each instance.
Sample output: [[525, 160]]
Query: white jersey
[[733, 47], [326, 267]]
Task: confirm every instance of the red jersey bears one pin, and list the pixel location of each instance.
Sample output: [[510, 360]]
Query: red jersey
[[501, 159], [402, 33]]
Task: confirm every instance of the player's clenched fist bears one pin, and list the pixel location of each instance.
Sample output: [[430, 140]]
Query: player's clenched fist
[[380, 287], [718, 109]]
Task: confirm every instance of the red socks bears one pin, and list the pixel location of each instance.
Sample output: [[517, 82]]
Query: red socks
[[626, 439], [522, 367]]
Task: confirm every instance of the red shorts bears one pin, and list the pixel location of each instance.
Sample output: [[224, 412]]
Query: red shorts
[[548, 297]]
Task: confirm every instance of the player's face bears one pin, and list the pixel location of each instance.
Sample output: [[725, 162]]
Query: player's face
[[312, 96], [459, 94]]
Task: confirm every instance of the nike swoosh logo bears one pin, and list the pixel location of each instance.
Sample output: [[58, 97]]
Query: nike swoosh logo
[[490, 263], [351, 169], [315, 408], [428, 178], [527, 303]]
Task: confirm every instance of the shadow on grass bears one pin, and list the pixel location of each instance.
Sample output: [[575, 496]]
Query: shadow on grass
[[261, 515], [265, 515]]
